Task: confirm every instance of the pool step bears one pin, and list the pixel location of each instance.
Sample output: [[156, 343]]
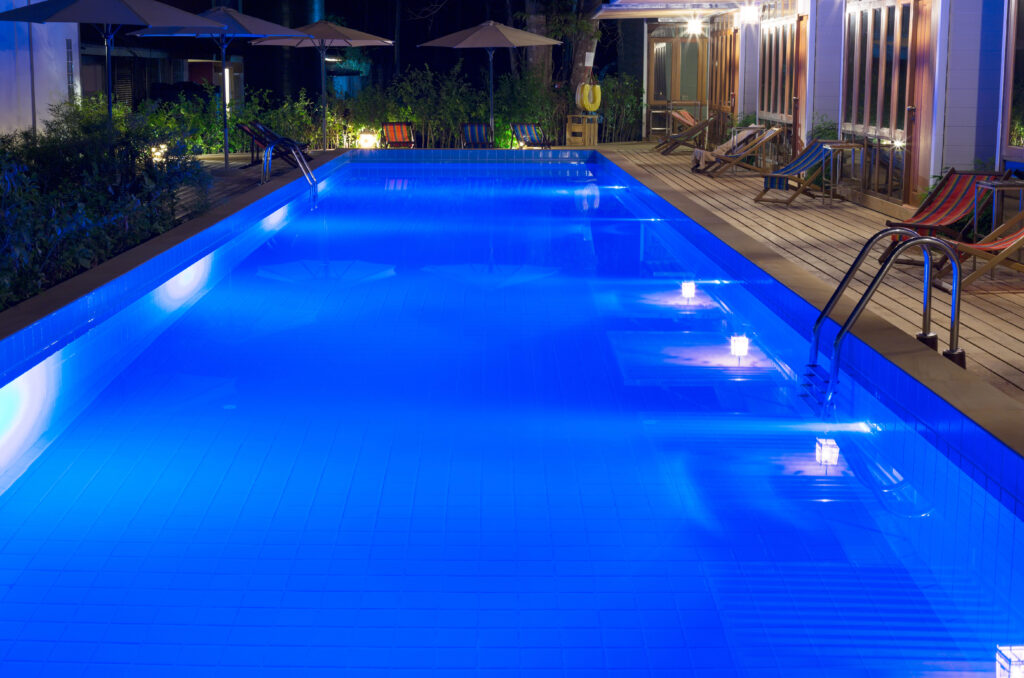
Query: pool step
[[814, 384]]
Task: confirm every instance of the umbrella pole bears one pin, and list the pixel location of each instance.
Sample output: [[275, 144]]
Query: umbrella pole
[[224, 92], [108, 39], [490, 86], [323, 89]]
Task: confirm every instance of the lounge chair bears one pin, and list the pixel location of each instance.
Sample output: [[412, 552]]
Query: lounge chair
[[748, 142], [529, 135], [476, 135], [688, 137], [261, 136], [798, 176], [950, 203], [996, 249], [398, 135]]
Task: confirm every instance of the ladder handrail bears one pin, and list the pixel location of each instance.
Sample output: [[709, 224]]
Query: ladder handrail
[[925, 242], [854, 267], [300, 161]]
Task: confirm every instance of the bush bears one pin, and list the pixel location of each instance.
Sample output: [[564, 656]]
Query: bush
[[527, 99], [83, 191], [622, 105]]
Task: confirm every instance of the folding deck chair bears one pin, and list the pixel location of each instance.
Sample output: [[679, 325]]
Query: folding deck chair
[[996, 248], [949, 203], [713, 163], [688, 137], [476, 135], [398, 135], [529, 135], [261, 136], [798, 176]]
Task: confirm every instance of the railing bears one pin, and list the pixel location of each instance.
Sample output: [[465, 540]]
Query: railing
[[925, 336], [300, 161]]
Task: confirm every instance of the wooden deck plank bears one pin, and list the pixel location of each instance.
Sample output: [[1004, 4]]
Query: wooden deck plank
[[825, 240]]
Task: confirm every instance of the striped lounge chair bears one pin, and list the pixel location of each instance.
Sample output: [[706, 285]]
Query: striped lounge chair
[[528, 135], [476, 135], [949, 205], [993, 250], [798, 176], [398, 135], [688, 137], [748, 142]]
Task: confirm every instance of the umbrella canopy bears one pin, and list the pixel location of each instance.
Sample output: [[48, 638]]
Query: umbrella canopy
[[109, 16], [233, 24], [323, 35], [491, 35]]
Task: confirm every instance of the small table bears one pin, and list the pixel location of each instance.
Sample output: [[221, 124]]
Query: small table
[[829, 156], [995, 186]]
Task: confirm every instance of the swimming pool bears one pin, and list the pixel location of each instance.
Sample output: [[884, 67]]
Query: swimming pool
[[470, 417]]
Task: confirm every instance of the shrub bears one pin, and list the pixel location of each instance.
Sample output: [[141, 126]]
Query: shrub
[[622, 106], [83, 191]]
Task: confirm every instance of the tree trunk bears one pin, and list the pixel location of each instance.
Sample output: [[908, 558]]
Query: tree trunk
[[513, 56], [585, 42], [538, 59]]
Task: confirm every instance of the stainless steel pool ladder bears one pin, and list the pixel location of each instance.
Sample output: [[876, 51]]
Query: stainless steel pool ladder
[[300, 160], [815, 375]]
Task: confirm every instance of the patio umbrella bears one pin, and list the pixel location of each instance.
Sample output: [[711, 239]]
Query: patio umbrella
[[323, 35], [235, 25], [108, 16], [491, 35]]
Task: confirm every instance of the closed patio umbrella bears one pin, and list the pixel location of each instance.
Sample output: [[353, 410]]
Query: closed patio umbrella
[[108, 16], [323, 35], [491, 35], [235, 25]]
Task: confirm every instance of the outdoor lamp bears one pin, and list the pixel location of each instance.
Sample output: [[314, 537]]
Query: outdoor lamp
[[688, 289], [826, 453], [694, 26], [367, 139], [748, 14], [739, 345], [158, 152]]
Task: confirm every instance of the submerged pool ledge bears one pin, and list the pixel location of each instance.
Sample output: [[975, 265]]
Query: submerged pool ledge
[[914, 381]]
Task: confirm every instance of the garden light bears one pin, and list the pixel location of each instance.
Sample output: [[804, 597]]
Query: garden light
[[367, 139], [826, 452], [158, 152]]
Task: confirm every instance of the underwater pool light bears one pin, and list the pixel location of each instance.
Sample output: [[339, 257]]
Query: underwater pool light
[[688, 289], [739, 345], [1010, 661], [826, 451]]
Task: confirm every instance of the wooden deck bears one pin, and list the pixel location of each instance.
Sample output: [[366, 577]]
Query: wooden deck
[[824, 241]]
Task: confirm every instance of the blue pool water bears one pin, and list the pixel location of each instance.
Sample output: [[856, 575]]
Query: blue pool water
[[462, 421]]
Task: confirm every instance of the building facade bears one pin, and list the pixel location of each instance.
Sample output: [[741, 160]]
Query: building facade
[[925, 85]]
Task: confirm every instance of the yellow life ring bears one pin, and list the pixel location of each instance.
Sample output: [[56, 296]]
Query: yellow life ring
[[588, 97]]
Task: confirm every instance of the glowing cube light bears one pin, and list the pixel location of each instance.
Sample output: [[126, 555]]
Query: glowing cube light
[[688, 289], [826, 452], [367, 139], [739, 345], [1010, 661]]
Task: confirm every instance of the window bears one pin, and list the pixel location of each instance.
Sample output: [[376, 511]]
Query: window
[[1013, 111], [778, 70], [877, 68], [723, 65]]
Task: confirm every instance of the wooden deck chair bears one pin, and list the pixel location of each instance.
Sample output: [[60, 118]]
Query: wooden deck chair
[[529, 135], [996, 249], [398, 135], [951, 202], [751, 145], [476, 135], [688, 137], [798, 176]]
